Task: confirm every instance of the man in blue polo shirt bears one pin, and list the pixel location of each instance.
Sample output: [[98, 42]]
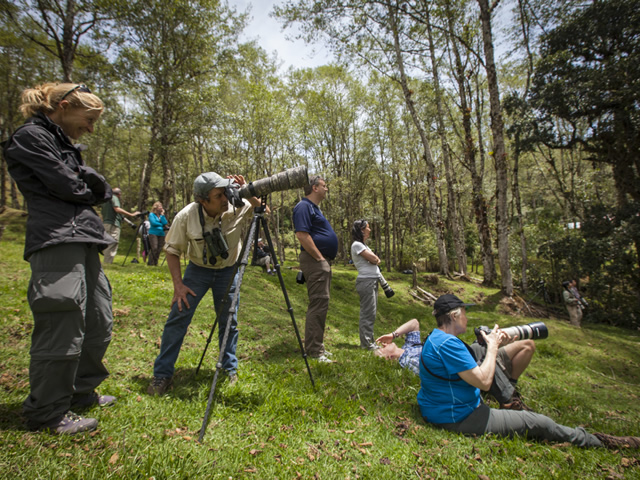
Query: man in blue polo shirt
[[319, 245]]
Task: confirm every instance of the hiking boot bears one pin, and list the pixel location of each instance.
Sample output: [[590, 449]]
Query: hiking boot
[[233, 379], [159, 386], [70, 424], [612, 442], [91, 399], [516, 403]]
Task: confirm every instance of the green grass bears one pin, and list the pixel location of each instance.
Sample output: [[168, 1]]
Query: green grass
[[361, 421]]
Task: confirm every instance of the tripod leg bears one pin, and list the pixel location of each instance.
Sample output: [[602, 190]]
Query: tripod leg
[[240, 268], [131, 246], [206, 346], [272, 251]]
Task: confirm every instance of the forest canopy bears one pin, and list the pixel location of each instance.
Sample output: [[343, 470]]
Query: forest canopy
[[496, 140]]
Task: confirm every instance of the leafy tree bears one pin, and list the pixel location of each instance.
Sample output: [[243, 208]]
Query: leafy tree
[[59, 26], [588, 78]]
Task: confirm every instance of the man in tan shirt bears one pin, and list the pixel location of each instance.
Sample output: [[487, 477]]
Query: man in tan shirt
[[211, 266]]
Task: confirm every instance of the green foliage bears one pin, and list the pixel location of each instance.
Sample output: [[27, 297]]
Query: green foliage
[[604, 254], [361, 421], [586, 76]]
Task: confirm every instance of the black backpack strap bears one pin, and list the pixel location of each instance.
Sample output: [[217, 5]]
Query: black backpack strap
[[438, 376], [429, 371]]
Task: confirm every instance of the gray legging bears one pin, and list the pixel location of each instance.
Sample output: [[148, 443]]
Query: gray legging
[[507, 423]]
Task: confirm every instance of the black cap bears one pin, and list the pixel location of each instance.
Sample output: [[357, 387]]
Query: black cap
[[446, 303]]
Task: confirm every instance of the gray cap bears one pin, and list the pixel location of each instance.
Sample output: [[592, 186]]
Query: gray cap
[[208, 181]]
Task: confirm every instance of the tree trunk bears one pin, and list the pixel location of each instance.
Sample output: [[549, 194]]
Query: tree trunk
[[452, 209], [431, 174], [477, 171], [499, 152]]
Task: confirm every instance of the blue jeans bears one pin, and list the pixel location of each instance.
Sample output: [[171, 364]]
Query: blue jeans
[[200, 280]]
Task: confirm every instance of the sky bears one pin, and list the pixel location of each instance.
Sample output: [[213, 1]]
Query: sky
[[269, 35]]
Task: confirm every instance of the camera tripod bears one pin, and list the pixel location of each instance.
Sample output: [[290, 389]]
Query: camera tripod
[[141, 230], [240, 266]]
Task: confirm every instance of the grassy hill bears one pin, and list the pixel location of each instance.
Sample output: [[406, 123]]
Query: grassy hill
[[361, 420]]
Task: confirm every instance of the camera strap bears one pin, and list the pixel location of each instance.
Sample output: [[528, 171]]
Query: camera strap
[[438, 376]]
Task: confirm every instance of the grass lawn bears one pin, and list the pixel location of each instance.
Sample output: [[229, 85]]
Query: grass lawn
[[361, 420]]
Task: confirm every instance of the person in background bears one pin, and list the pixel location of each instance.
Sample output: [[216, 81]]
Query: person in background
[[112, 213], [573, 302], [366, 263], [69, 294], [264, 259], [157, 222], [318, 247]]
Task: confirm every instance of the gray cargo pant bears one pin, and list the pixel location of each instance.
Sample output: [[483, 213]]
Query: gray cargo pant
[[506, 423], [70, 298]]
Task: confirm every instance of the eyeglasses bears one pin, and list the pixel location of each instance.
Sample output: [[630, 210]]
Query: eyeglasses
[[80, 88]]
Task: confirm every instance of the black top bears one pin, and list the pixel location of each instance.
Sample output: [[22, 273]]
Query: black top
[[58, 187]]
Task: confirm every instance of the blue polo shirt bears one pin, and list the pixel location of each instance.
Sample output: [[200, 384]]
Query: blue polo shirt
[[307, 217]]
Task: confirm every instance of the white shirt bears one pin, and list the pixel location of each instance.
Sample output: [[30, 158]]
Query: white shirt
[[366, 269]]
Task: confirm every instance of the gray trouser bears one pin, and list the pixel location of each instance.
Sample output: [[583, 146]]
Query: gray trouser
[[70, 298], [506, 423], [318, 280], [367, 288]]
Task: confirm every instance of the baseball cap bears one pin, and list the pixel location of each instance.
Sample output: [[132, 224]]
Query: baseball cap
[[207, 181], [446, 303]]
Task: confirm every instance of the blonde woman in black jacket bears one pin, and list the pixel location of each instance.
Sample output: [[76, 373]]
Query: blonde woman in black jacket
[[69, 294]]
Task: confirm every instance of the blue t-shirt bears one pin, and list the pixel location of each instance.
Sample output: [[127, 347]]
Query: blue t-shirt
[[156, 223], [443, 401], [307, 217]]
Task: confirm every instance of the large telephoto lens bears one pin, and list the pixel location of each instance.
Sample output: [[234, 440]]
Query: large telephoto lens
[[292, 178], [531, 331]]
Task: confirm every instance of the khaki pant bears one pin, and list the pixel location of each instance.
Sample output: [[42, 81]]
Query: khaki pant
[[110, 252], [575, 315], [318, 281]]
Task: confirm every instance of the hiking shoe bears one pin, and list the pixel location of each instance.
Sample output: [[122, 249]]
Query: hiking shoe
[[159, 386], [612, 442], [70, 424], [515, 404], [326, 353], [233, 379], [91, 399], [323, 359]]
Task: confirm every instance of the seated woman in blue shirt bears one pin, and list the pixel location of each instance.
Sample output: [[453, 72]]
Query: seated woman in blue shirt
[[450, 383]]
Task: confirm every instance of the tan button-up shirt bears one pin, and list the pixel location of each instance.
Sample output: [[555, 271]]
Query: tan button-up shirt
[[185, 234]]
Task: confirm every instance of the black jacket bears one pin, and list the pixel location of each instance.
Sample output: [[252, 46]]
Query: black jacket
[[58, 187]]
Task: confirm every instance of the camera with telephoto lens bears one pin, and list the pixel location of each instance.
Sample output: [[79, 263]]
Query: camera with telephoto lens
[[533, 331], [291, 178], [388, 291], [216, 245]]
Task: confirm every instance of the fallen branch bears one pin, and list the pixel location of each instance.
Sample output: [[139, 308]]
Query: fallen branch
[[430, 296], [418, 297]]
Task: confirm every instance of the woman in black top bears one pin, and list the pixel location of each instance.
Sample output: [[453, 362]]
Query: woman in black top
[[69, 294]]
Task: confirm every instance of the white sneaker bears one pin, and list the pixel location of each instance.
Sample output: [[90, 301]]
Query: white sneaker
[[327, 354], [323, 359]]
